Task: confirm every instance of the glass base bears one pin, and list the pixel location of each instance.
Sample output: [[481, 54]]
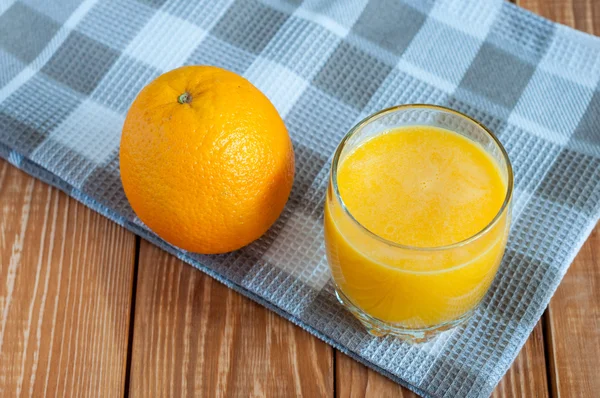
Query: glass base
[[379, 328]]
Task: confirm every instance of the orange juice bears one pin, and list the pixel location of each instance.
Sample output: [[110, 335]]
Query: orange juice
[[418, 242]]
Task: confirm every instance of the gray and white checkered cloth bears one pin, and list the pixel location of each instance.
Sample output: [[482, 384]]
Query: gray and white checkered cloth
[[69, 71]]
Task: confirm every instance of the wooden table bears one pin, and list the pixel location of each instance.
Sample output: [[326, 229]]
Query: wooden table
[[90, 309]]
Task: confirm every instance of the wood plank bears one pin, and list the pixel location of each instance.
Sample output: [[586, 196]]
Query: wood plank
[[353, 379], [195, 337], [525, 378], [573, 317], [573, 325], [65, 294], [580, 14]]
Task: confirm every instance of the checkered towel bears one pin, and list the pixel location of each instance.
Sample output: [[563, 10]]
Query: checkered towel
[[70, 69]]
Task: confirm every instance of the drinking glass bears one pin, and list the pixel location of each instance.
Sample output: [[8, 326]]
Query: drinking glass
[[413, 292]]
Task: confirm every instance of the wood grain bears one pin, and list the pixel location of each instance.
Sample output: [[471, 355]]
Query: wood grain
[[574, 326], [353, 380], [573, 317], [195, 337], [580, 14], [66, 280], [527, 376]]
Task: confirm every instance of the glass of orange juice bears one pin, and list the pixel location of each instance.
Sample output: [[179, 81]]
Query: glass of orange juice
[[417, 216]]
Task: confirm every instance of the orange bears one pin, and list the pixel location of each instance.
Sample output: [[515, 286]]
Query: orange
[[206, 161]]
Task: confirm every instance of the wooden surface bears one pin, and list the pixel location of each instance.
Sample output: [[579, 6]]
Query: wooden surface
[[353, 379], [65, 293], [194, 336], [88, 309], [583, 15], [573, 325], [528, 376]]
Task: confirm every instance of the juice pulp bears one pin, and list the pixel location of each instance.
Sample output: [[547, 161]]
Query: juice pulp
[[420, 187]]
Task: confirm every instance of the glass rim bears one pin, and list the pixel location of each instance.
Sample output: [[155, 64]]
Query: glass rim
[[376, 115]]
